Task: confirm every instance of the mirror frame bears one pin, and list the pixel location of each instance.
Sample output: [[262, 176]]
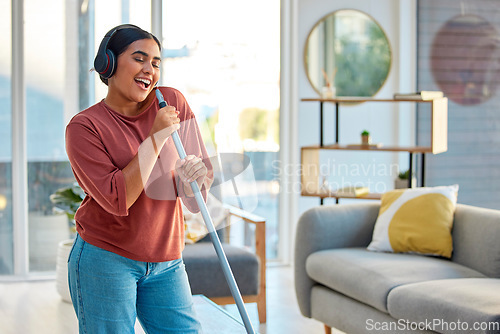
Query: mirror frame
[[321, 20]]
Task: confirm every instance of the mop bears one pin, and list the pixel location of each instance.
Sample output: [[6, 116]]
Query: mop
[[228, 274]]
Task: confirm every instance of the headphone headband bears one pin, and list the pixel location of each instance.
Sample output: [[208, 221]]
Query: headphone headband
[[105, 60]]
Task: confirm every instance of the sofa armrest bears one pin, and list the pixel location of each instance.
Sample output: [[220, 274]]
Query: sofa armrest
[[475, 234], [328, 227], [260, 251], [260, 232]]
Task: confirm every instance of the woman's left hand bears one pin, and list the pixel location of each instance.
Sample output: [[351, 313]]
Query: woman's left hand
[[191, 168]]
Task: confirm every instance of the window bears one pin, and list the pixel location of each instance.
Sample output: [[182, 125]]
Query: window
[[227, 65], [6, 231], [48, 167], [230, 77], [58, 54]]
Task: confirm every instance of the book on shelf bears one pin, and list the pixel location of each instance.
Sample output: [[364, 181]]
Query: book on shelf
[[352, 191], [423, 95]]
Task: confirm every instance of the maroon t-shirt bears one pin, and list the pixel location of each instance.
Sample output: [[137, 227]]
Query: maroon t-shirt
[[100, 143]]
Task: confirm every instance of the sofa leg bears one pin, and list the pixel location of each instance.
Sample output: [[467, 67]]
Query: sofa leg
[[328, 329]]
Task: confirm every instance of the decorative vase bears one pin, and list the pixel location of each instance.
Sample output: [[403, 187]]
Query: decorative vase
[[45, 232], [365, 140], [400, 183], [62, 286], [328, 92], [403, 183]]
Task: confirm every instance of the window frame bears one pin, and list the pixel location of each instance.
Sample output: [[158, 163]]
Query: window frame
[[21, 270]]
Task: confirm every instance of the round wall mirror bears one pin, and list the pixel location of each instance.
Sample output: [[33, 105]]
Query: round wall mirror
[[349, 51]]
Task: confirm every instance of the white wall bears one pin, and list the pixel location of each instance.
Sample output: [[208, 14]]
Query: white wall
[[389, 123]]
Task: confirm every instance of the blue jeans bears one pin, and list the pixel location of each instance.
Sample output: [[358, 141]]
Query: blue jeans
[[109, 291]]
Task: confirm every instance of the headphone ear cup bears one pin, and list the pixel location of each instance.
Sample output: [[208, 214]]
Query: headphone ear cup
[[101, 62], [105, 60], [111, 65]]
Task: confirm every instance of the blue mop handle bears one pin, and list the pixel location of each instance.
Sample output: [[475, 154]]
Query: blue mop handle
[[235, 292]]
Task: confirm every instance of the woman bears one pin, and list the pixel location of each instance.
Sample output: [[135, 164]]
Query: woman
[[126, 261]]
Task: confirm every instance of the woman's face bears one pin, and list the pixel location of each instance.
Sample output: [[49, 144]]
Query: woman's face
[[137, 71]]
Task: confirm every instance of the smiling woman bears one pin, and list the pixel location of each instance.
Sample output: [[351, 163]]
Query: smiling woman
[[137, 67], [133, 241], [141, 57]]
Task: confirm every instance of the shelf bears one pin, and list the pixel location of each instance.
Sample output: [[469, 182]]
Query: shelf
[[310, 176], [310, 155], [411, 149], [358, 99], [438, 123], [332, 194]]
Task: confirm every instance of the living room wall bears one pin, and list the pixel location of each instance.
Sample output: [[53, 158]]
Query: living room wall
[[459, 53]]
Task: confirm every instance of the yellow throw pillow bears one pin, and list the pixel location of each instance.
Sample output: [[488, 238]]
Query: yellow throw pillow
[[417, 220]]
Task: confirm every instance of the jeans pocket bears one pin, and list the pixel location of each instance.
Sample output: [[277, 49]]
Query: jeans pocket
[[73, 247]]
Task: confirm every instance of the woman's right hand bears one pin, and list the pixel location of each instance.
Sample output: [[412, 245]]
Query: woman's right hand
[[166, 122], [138, 171]]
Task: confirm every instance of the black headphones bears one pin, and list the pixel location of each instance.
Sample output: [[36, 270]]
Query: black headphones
[[105, 60]]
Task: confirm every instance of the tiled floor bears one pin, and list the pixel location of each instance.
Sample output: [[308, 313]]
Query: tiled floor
[[35, 307]]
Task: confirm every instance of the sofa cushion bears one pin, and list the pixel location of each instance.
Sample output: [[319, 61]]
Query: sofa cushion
[[205, 273], [450, 305], [370, 276], [416, 220], [351, 316]]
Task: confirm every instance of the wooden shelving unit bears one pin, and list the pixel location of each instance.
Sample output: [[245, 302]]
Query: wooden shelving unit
[[310, 154]]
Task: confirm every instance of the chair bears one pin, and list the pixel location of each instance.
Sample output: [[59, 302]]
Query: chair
[[249, 269]]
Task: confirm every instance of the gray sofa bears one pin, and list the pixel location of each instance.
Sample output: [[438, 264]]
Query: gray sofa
[[343, 285]]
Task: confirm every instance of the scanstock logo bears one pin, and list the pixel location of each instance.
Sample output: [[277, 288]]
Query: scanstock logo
[[234, 179]]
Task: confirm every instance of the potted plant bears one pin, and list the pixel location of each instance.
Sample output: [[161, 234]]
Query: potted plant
[[365, 138], [402, 181], [67, 200]]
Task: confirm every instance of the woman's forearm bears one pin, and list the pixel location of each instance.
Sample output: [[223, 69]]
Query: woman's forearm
[[138, 170]]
